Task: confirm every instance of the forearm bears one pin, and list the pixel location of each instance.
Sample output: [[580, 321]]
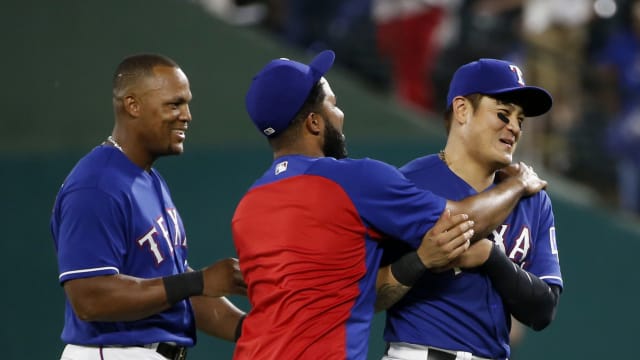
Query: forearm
[[388, 289], [395, 280], [529, 299], [217, 316], [490, 208], [116, 297], [127, 298]]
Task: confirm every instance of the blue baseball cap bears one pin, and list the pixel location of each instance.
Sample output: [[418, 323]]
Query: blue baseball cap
[[279, 90], [498, 77]]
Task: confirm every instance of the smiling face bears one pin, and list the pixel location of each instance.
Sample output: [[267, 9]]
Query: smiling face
[[491, 132], [163, 115]]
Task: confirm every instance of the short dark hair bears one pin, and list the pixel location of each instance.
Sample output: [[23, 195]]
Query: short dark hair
[[313, 103], [135, 67]]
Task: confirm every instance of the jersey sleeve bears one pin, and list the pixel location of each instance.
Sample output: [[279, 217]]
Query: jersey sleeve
[[392, 204], [545, 262], [90, 235]]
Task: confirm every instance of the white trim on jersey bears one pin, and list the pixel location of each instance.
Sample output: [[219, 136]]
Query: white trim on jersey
[[551, 277], [88, 270]]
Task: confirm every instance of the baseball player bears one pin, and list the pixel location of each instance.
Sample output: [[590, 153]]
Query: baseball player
[[306, 232], [120, 241], [463, 311]]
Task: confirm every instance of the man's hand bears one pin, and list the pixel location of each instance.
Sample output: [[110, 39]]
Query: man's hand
[[447, 239], [223, 278], [532, 183], [476, 255]]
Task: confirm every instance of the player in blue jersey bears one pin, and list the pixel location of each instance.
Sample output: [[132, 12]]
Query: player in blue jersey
[[463, 310], [120, 241], [307, 232]]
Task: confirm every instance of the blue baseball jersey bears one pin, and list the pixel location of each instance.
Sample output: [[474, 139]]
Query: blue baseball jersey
[[461, 310], [113, 217], [307, 236]]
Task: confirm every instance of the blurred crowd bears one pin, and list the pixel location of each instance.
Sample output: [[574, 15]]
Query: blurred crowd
[[585, 52]]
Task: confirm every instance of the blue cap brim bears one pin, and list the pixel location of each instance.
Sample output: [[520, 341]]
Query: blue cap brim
[[322, 63], [534, 100]]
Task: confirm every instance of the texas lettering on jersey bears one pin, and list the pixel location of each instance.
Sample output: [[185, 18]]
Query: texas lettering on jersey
[[150, 242], [521, 243]]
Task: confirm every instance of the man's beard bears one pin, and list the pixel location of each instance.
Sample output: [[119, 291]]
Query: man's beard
[[334, 142]]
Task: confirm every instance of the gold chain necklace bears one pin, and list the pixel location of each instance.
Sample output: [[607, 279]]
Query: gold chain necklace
[[113, 142], [443, 157]]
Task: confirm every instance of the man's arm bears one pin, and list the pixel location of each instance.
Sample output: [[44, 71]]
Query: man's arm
[[126, 298], [528, 298], [446, 240], [488, 209], [218, 317]]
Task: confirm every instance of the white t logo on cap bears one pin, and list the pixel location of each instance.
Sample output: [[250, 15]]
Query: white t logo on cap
[[268, 131], [518, 72]]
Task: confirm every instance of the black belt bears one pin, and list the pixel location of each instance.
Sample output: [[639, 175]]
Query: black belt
[[435, 354], [170, 351]]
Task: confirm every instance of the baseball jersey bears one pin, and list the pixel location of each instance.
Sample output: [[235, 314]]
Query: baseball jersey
[[113, 217], [306, 235], [461, 310]]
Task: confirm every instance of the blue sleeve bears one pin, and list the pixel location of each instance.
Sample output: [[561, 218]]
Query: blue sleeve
[[545, 262], [391, 204], [90, 235]]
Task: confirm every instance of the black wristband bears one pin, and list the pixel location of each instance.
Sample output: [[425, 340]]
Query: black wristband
[[181, 286], [408, 269], [239, 328]]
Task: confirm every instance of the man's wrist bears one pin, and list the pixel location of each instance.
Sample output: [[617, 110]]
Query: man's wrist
[[181, 286], [238, 331], [408, 268], [518, 185]]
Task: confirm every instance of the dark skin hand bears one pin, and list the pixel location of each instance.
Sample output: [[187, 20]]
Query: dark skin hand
[[488, 209], [126, 298]]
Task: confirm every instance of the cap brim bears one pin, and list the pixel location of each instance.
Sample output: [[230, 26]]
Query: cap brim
[[322, 63], [535, 101]]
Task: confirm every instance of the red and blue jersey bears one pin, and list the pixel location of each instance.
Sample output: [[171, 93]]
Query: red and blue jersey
[[113, 217], [461, 310], [307, 236]]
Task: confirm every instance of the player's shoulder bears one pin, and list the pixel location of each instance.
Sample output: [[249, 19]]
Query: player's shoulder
[[427, 163], [538, 200], [355, 166], [100, 169]]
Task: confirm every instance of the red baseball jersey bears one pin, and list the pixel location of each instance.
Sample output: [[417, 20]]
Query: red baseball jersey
[[307, 237]]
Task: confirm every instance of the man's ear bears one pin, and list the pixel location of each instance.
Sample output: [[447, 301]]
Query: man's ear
[[461, 109], [131, 105], [313, 123]]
